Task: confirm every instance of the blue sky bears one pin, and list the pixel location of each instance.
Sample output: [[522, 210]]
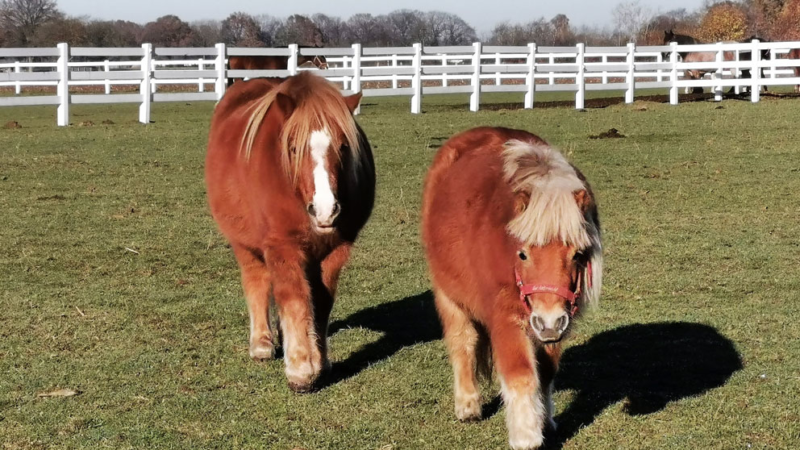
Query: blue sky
[[480, 14]]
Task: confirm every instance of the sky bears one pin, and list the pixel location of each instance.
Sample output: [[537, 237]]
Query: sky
[[482, 15]]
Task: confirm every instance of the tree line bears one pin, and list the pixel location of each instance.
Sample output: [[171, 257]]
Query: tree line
[[40, 23]]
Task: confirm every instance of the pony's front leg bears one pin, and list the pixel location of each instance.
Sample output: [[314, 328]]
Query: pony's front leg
[[256, 284], [293, 299], [461, 338], [548, 357], [516, 367], [324, 295]]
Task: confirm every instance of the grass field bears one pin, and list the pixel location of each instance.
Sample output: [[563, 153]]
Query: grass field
[[116, 284]]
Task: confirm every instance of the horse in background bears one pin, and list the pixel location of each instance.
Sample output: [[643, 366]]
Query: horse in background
[[275, 62], [795, 54], [512, 238], [291, 181]]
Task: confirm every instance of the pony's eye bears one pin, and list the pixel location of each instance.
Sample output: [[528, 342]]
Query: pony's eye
[[578, 255], [522, 255]]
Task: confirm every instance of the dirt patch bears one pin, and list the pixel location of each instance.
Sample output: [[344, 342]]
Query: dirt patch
[[12, 125], [107, 122], [613, 133], [52, 197], [86, 123]]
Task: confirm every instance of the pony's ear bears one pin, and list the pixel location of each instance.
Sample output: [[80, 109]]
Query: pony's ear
[[583, 199], [283, 104], [521, 200], [352, 101]]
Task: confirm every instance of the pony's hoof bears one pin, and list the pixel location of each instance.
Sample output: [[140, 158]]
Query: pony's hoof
[[301, 388], [468, 410], [262, 350]]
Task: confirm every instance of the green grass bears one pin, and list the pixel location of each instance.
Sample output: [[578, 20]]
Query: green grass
[[700, 211]]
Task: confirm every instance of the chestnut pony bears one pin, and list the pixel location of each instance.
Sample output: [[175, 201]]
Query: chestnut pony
[[513, 244], [291, 182]]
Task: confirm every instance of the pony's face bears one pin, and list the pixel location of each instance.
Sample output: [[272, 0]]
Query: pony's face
[[320, 62], [668, 36], [319, 185], [554, 270]]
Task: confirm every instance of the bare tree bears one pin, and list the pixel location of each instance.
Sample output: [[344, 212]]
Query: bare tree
[[405, 26], [367, 29], [101, 33], [332, 29], [168, 31], [21, 19], [241, 30], [71, 30], [299, 29], [631, 20], [207, 33], [271, 29]]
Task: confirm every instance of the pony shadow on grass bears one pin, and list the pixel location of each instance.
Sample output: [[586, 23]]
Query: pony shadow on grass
[[646, 366], [404, 323]]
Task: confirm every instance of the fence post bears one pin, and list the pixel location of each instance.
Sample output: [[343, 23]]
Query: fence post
[[659, 60], [755, 73], [552, 74], [718, 73], [497, 80], [219, 66], [18, 69], [444, 75], [631, 76], [530, 79], [475, 97], [394, 76], [416, 80], [580, 79], [736, 73], [63, 85], [107, 69], [144, 89], [201, 86], [356, 84], [292, 59], [673, 75], [605, 73], [345, 79]]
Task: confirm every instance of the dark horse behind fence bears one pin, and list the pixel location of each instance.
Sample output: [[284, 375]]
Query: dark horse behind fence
[[272, 62], [711, 56]]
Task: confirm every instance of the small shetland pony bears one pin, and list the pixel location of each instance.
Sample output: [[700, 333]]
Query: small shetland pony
[[512, 238], [291, 181], [272, 63]]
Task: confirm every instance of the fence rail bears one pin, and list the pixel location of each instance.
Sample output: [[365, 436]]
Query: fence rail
[[405, 71]]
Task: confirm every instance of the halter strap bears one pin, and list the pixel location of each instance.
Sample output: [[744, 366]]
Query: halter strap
[[568, 295]]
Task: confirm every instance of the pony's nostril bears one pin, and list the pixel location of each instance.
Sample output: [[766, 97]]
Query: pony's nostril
[[561, 323], [537, 323], [310, 209]]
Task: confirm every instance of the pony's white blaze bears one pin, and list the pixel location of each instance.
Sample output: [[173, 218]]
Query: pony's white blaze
[[323, 200]]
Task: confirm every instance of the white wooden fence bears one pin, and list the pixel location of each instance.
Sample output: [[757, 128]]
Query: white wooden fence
[[395, 71]]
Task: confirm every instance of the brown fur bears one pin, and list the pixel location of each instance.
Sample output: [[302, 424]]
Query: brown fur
[[480, 182], [262, 210]]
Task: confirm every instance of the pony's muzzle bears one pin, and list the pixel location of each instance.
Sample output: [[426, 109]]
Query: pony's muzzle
[[321, 218], [549, 328]]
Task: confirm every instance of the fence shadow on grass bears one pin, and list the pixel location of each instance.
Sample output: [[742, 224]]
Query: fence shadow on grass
[[405, 322], [646, 366]]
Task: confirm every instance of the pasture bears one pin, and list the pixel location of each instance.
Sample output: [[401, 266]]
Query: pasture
[[117, 285]]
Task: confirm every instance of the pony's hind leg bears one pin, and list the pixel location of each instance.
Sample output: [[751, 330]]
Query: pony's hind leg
[[256, 284], [516, 367], [292, 295], [461, 338]]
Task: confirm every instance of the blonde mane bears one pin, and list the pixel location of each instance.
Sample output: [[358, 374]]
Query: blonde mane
[[318, 105], [552, 214]]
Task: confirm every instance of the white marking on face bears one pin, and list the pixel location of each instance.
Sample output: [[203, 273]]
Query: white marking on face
[[323, 200]]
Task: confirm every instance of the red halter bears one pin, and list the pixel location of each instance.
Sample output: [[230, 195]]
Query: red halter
[[570, 296]]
